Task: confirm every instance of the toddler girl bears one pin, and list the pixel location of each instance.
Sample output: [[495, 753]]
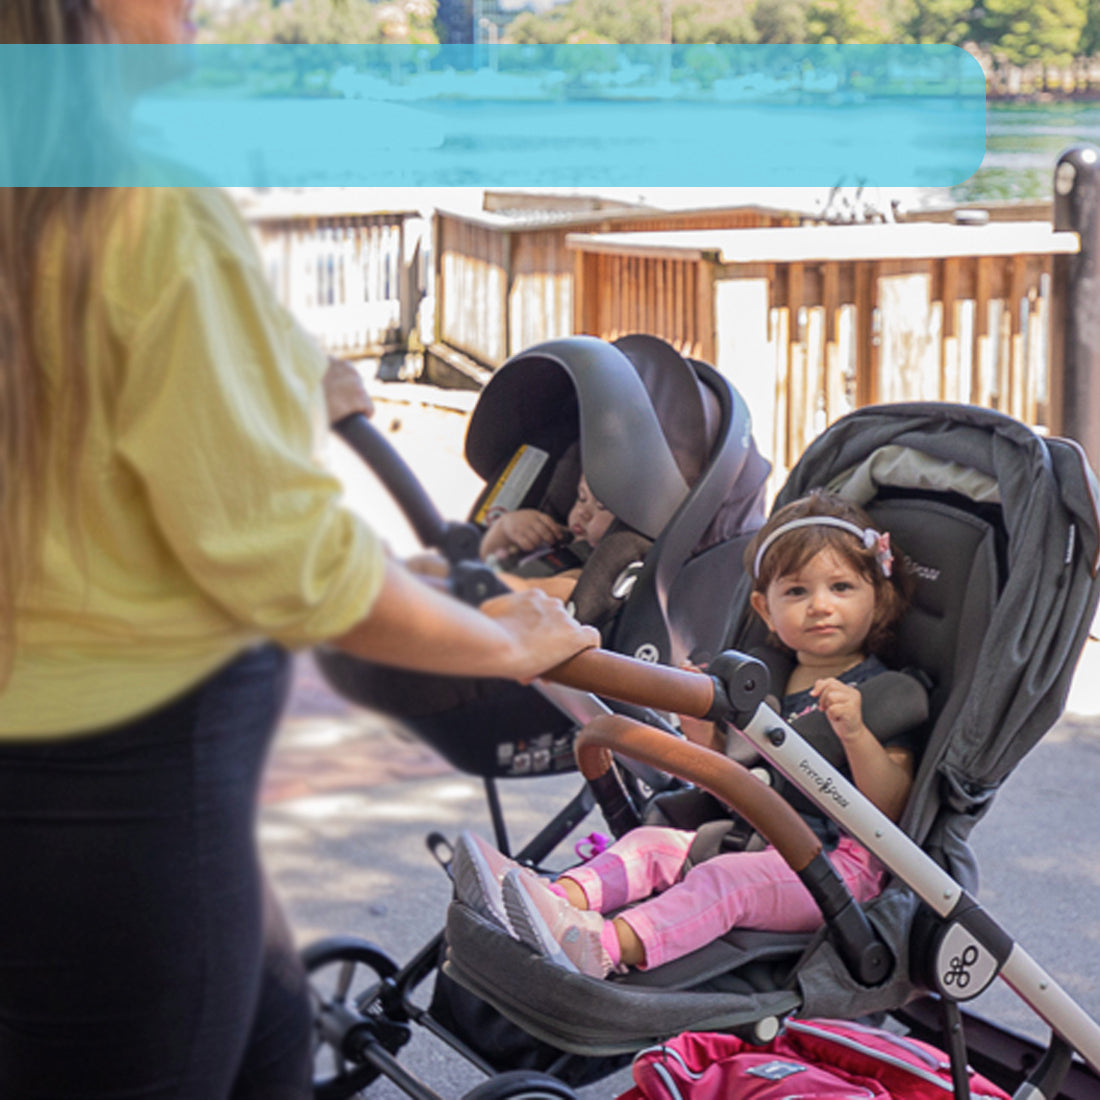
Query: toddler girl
[[825, 586]]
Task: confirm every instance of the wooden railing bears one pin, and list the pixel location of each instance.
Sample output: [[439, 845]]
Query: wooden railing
[[663, 295], [347, 278], [810, 323]]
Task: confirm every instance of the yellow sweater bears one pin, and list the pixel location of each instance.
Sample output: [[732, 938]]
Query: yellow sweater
[[206, 519]]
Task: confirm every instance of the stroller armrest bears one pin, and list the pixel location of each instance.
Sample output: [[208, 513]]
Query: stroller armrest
[[768, 813], [865, 957]]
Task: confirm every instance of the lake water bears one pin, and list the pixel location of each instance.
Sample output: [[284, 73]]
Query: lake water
[[1022, 146]]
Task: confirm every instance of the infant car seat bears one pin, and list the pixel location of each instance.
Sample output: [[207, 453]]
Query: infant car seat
[[666, 444]]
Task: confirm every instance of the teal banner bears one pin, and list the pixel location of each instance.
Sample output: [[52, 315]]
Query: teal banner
[[499, 115]]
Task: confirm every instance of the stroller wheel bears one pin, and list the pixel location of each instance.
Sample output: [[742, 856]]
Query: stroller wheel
[[348, 983], [522, 1084]]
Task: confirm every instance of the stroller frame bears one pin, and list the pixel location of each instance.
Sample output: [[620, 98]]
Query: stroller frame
[[365, 1035]]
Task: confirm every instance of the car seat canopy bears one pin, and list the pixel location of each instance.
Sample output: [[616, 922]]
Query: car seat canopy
[[645, 424]]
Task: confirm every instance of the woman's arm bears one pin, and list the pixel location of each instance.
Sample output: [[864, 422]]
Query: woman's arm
[[515, 636], [884, 775]]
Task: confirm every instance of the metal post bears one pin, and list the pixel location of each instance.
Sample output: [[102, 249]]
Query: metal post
[[1077, 285]]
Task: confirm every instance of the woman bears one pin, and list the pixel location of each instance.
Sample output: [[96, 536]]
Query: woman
[[166, 534]]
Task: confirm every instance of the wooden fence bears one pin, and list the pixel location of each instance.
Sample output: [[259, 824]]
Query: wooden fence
[[507, 281], [349, 278], [810, 323]]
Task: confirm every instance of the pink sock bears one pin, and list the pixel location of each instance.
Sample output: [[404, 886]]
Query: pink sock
[[610, 940]]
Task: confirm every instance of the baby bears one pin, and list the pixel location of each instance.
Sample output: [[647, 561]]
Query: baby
[[516, 540]]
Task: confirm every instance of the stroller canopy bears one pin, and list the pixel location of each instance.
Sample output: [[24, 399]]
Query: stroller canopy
[[1047, 496]]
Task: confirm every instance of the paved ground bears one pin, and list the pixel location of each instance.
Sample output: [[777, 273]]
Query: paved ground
[[350, 796]]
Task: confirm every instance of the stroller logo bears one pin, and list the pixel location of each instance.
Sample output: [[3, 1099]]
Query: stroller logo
[[920, 570], [647, 651], [959, 972], [964, 965], [824, 783]]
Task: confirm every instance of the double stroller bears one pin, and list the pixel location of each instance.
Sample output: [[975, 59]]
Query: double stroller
[[1002, 535]]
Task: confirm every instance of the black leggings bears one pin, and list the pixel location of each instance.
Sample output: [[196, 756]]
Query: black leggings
[[142, 955]]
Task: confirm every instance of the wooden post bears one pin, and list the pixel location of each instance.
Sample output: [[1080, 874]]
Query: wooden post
[[979, 391], [1019, 381], [704, 311], [1077, 300], [584, 307], [796, 366], [949, 331], [834, 380], [867, 336]]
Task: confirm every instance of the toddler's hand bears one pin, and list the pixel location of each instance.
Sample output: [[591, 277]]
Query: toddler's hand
[[842, 705]]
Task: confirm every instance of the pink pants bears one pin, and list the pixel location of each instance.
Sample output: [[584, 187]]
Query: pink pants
[[735, 890]]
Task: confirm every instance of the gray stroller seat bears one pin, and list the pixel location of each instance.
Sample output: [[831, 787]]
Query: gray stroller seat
[[1001, 534]]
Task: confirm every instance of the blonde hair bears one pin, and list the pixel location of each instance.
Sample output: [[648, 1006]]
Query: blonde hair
[[37, 419]]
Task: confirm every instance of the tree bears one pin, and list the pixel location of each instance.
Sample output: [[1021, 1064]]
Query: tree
[[1025, 31], [1089, 45], [836, 22], [936, 21], [323, 22], [701, 23], [455, 21], [779, 21]]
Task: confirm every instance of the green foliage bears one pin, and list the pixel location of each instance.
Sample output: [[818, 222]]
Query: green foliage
[[1089, 46], [1017, 32], [589, 21], [779, 21], [933, 21], [1024, 31], [836, 22], [323, 22], [708, 23]]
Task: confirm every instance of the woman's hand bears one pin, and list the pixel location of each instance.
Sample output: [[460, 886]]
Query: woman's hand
[[525, 529], [543, 633], [516, 636], [344, 391]]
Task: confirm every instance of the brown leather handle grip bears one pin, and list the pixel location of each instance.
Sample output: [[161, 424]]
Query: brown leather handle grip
[[767, 812], [640, 682]]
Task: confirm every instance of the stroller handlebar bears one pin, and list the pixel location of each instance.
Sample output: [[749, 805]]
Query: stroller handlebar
[[731, 689], [456, 541], [602, 672]]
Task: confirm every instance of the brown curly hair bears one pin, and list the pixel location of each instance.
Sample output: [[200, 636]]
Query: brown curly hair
[[793, 549]]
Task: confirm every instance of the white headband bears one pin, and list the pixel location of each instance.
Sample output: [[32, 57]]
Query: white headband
[[868, 536]]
